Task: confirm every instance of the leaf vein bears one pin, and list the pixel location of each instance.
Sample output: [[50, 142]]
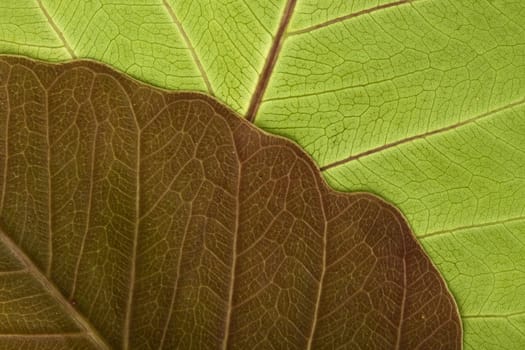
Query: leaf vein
[[271, 59], [349, 16], [421, 136], [234, 252], [57, 30], [6, 148], [319, 291], [467, 227], [34, 271], [187, 40]]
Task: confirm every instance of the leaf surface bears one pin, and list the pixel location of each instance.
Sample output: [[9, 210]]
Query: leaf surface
[[421, 102], [139, 218]]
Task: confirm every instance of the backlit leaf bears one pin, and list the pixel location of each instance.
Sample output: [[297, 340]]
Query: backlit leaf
[[139, 218], [419, 101]]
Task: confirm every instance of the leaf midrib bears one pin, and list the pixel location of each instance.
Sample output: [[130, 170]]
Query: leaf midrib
[[271, 59], [278, 41], [48, 286]]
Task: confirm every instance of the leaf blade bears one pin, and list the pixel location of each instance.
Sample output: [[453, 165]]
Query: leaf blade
[[479, 41], [252, 253], [59, 320]]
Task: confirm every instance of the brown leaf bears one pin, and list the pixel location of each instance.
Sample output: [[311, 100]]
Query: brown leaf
[[139, 218]]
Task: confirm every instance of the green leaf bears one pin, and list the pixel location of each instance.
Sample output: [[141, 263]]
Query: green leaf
[[421, 102], [133, 217]]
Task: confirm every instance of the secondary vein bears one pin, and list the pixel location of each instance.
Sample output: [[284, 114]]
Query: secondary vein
[[133, 268], [56, 29], [88, 213], [323, 273], [403, 300], [196, 59], [49, 188], [421, 136], [6, 148], [467, 227], [503, 315], [349, 16], [234, 260]]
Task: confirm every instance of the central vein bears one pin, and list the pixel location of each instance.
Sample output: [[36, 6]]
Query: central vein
[[273, 54]]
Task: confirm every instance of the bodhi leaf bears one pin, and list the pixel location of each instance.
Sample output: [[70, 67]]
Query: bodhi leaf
[[139, 218], [421, 102]]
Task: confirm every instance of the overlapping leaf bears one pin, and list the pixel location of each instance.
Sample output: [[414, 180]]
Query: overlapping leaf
[[418, 101], [137, 218]]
